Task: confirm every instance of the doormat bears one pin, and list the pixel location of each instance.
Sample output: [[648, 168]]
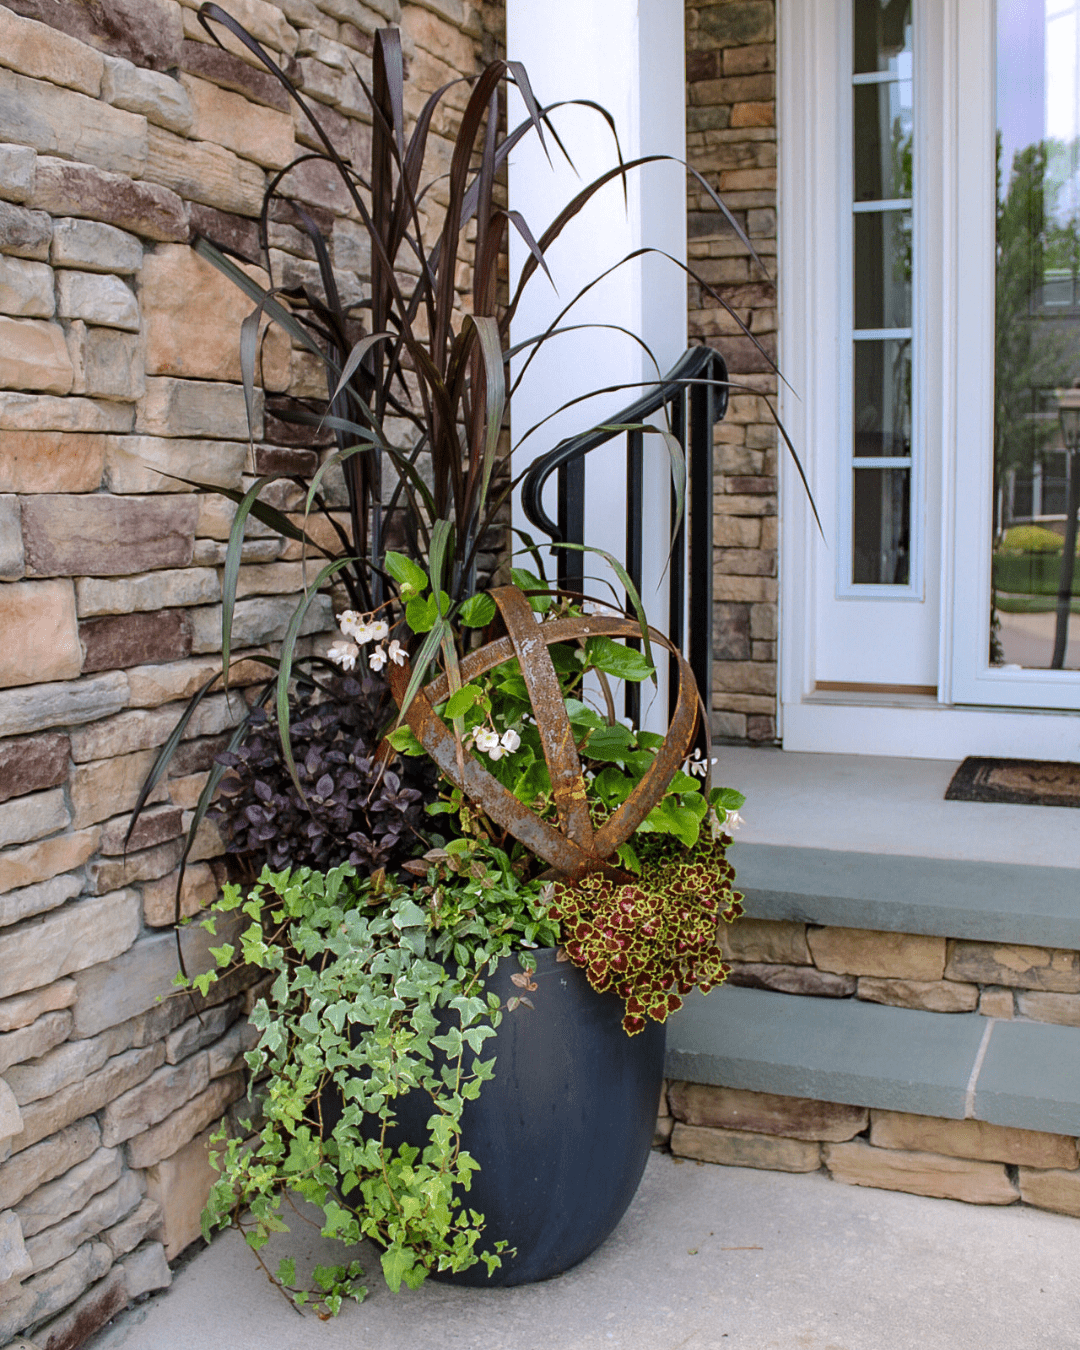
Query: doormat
[[1020, 782]]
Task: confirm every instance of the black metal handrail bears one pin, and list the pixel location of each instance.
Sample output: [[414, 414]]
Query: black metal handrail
[[699, 378]]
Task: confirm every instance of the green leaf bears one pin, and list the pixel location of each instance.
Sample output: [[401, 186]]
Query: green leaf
[[478, 611], [466, 697], [405, 572], [527, 581], [421, 613], [397, 1264], [728, 798], [610, 743], [625, 663], [405, 743]]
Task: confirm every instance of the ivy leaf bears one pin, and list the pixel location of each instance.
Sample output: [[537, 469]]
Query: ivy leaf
[[397, 1264], [624, 663], [477, 612]]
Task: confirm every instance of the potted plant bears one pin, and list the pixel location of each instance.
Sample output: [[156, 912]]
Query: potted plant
[[482, 892]]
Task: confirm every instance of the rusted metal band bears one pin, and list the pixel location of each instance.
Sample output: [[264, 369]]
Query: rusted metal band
[[546, 697]]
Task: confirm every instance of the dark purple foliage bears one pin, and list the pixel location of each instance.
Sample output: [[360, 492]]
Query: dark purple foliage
[[361, 811]]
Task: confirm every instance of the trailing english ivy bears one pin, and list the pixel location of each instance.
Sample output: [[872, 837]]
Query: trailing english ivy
[[377, 991]]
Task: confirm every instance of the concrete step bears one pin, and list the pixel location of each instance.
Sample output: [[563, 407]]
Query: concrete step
[[961, 1065]]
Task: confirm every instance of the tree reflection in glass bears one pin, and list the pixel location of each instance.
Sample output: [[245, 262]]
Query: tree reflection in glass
[[1037, 339]]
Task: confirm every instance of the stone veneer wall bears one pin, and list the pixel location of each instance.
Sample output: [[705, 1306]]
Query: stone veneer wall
[[958, 1159], [123, 131], [731, 141]]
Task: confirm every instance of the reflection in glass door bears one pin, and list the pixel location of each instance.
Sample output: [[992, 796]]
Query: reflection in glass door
[[1035, 597]]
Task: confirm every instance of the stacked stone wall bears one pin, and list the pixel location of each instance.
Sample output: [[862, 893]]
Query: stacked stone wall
[[731, 141], [123, 132], [956, 1159]]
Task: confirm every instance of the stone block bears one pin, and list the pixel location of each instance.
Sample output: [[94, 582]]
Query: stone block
[[230, 72], [104, 874], [1020, 967], [153, 464], [11, 1121], [1053, 1189], [42, 412], [1062, 1009], [29, 864], [81, 935], [14, 1261], [161, 99], [16, 172], [141, 730], [24, 233], [109, 787], [181, 1185], [134, 982], [142, 1222], [89, 1094], [765, 1113], [57, 1199], [229, 119], [46, 1294], [973, 1139], [109, 1206], [193, 319], [107, 536], [57, 121], [51, 461], [997, 1003], [164, 1140], [34, 355], [33, 1041], [87, 1314], [200, 171], [199, 890], [65, 189], [12, 559], [97, 298], [106, 362], [763, 940], [26, 288], [146, 32], [124, 639], [944, 996], [32, 763], [146, 1270], [39, 51], [154, 826], [860, 951], [94, 246], [40, 1163], [198, 1032], [792, 980], [978, 1183], [736, 1148], [167, 589], [23, 1009], [38, 620], [256, 621], [49, 705], [226, 1055], [196, 408]]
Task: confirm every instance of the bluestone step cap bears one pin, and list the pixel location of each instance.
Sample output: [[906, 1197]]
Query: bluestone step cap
[[836, 1050], [1030, 1078]]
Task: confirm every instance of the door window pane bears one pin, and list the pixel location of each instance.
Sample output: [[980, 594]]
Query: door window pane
[[881, 542], [882, 402], [1035, 600], [883, 117], [883, 269], [883, 37]]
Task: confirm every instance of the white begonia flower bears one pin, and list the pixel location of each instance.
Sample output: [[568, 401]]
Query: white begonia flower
[[695, 764], [486, 740], [380, 630], [344, 654], [377, 659], [397, 653], [349, 622], [732, 821], [510, 741]]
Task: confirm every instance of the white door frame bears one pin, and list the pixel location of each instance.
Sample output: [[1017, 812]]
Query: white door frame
[[954, 69]]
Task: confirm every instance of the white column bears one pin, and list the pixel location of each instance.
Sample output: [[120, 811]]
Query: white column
[[628, 57]]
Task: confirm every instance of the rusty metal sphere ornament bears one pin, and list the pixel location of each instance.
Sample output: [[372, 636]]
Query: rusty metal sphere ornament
[[574, 848]]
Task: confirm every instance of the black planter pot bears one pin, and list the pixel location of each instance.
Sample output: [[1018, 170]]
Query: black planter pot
[[563, 1131]]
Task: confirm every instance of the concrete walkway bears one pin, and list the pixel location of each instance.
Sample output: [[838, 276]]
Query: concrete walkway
[[708, 1258]]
